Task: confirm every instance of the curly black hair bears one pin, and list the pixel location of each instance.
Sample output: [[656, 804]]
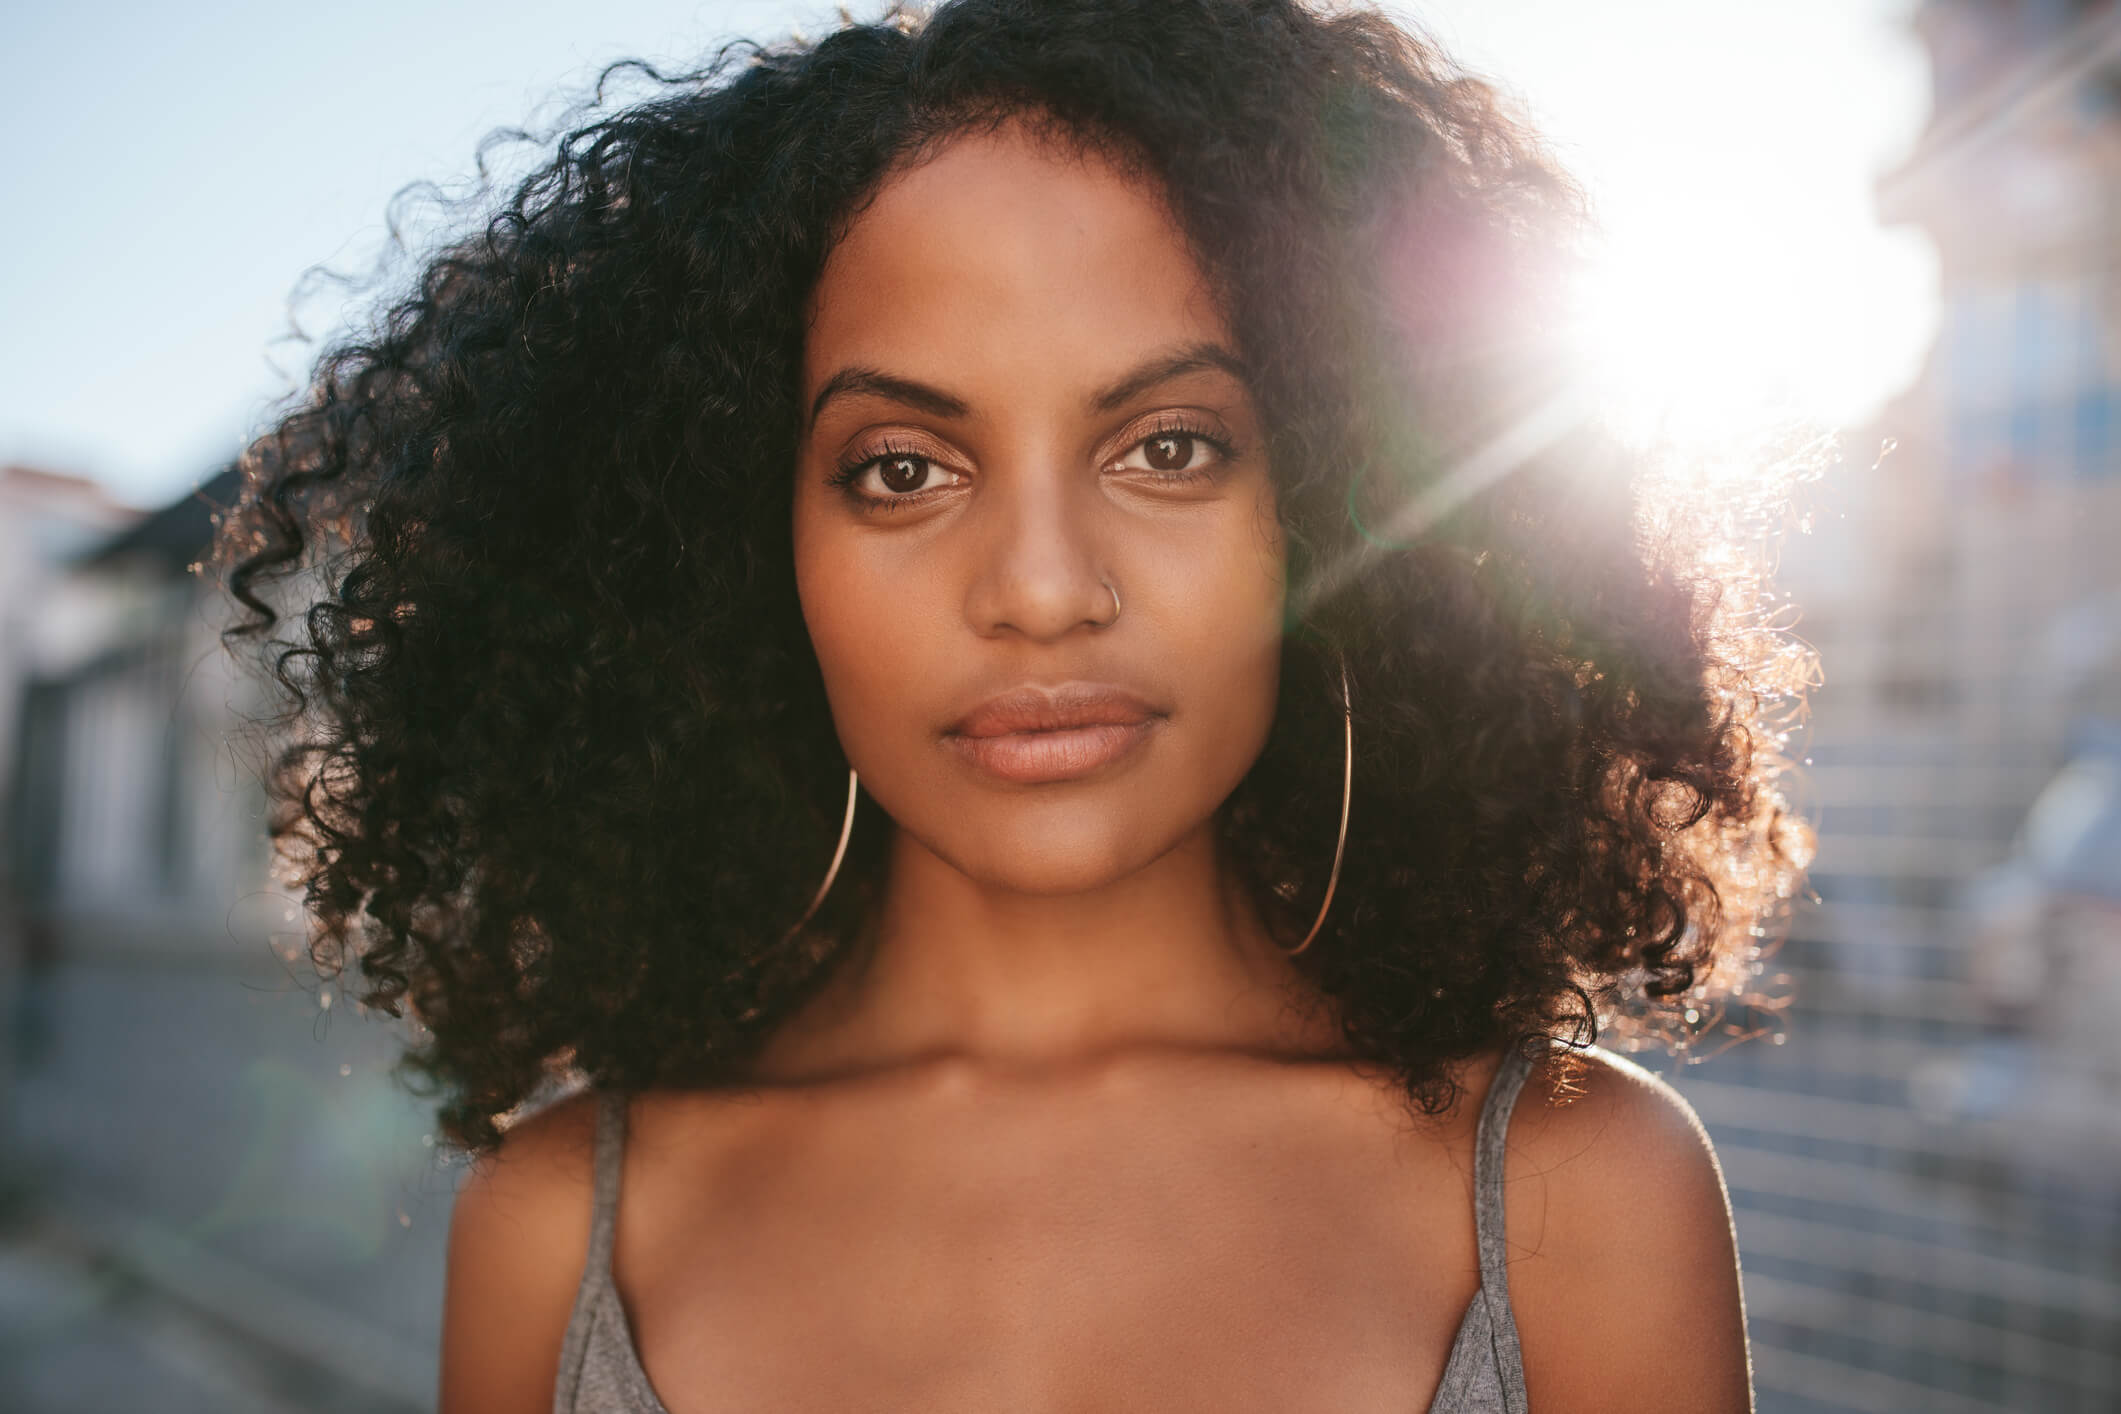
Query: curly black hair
[[553, 762]]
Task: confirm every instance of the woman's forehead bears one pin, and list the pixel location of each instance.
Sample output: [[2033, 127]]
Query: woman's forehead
[[1003, 249]]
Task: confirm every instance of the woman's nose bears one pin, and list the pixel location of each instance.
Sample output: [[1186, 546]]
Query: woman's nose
[[1040, 571]]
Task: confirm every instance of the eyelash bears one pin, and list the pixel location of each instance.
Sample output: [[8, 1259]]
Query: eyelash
[[851, 472]]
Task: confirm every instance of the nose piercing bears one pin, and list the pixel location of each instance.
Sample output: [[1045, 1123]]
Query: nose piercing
[[1115, 606]]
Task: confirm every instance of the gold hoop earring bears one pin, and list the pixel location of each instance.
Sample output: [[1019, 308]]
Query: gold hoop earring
[[1347, 788], [846, 829]]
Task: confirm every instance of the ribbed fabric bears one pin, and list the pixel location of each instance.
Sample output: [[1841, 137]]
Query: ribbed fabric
[[600, 1371]]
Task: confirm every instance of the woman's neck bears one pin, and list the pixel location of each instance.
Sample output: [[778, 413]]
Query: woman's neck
[[1172, 956]]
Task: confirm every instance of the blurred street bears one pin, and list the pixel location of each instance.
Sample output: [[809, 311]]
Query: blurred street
[[80, 1332], [249, 1221]]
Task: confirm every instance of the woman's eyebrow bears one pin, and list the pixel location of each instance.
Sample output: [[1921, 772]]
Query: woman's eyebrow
[[1164, 367], [1193, 358], [851, 381]]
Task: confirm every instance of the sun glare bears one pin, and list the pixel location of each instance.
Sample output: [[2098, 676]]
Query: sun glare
[[1742, 280], [1696, 325]]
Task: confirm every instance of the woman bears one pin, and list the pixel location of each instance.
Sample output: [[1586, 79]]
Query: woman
[[987, 632]]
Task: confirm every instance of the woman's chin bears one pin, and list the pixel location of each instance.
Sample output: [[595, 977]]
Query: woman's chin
[[1048, 863]]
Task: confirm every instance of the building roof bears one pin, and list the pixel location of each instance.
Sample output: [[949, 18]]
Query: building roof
[[64, 492], [175, 535]]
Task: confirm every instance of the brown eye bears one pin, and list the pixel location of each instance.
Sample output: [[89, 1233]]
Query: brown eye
[[895, 478], [903, 473], [1170, 452], [1176, 456]]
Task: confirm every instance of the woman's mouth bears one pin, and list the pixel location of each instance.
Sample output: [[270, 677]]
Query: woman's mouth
[[1031, 758], [1033, 735]]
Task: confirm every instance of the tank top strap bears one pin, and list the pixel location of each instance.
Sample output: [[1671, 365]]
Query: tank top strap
[[1490, 1148], [610, 1154], [594, 1293]]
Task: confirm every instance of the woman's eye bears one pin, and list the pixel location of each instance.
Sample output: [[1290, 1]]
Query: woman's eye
[[894, 476], [1169, 453], [901, 474], [1176, 454]]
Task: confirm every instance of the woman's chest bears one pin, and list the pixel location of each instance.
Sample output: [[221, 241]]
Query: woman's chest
[[1054, 1267]]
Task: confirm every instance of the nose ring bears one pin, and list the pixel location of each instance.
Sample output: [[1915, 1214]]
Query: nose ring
[[1115, 606]]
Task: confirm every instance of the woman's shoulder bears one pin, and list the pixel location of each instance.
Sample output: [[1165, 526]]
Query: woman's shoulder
[[1603, 1137], [518, 1239], [1619, 1239], [544, 1163], [1583, 1092]]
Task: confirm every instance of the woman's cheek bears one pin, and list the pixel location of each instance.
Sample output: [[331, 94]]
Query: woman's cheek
[[866, 625]]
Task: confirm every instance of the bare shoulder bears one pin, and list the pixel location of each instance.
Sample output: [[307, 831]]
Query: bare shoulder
[[518, 1238], [1621, 1249], [1609, 1121]]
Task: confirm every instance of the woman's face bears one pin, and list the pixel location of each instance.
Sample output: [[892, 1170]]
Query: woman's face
[[1020, 391]]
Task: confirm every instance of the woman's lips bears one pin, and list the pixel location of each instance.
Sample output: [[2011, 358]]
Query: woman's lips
[[1035, 734], [1031, 758]]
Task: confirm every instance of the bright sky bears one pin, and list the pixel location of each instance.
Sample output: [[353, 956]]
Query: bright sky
[[175, 169]]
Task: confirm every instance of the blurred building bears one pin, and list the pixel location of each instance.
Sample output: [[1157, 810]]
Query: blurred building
[[1927, 1174], [189, 1107], [123, 808], [45, 519]]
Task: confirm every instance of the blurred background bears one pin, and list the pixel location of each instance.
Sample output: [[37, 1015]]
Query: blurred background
[[1898, 222]]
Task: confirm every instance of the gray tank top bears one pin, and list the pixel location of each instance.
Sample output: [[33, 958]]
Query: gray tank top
[[600, 1371]]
